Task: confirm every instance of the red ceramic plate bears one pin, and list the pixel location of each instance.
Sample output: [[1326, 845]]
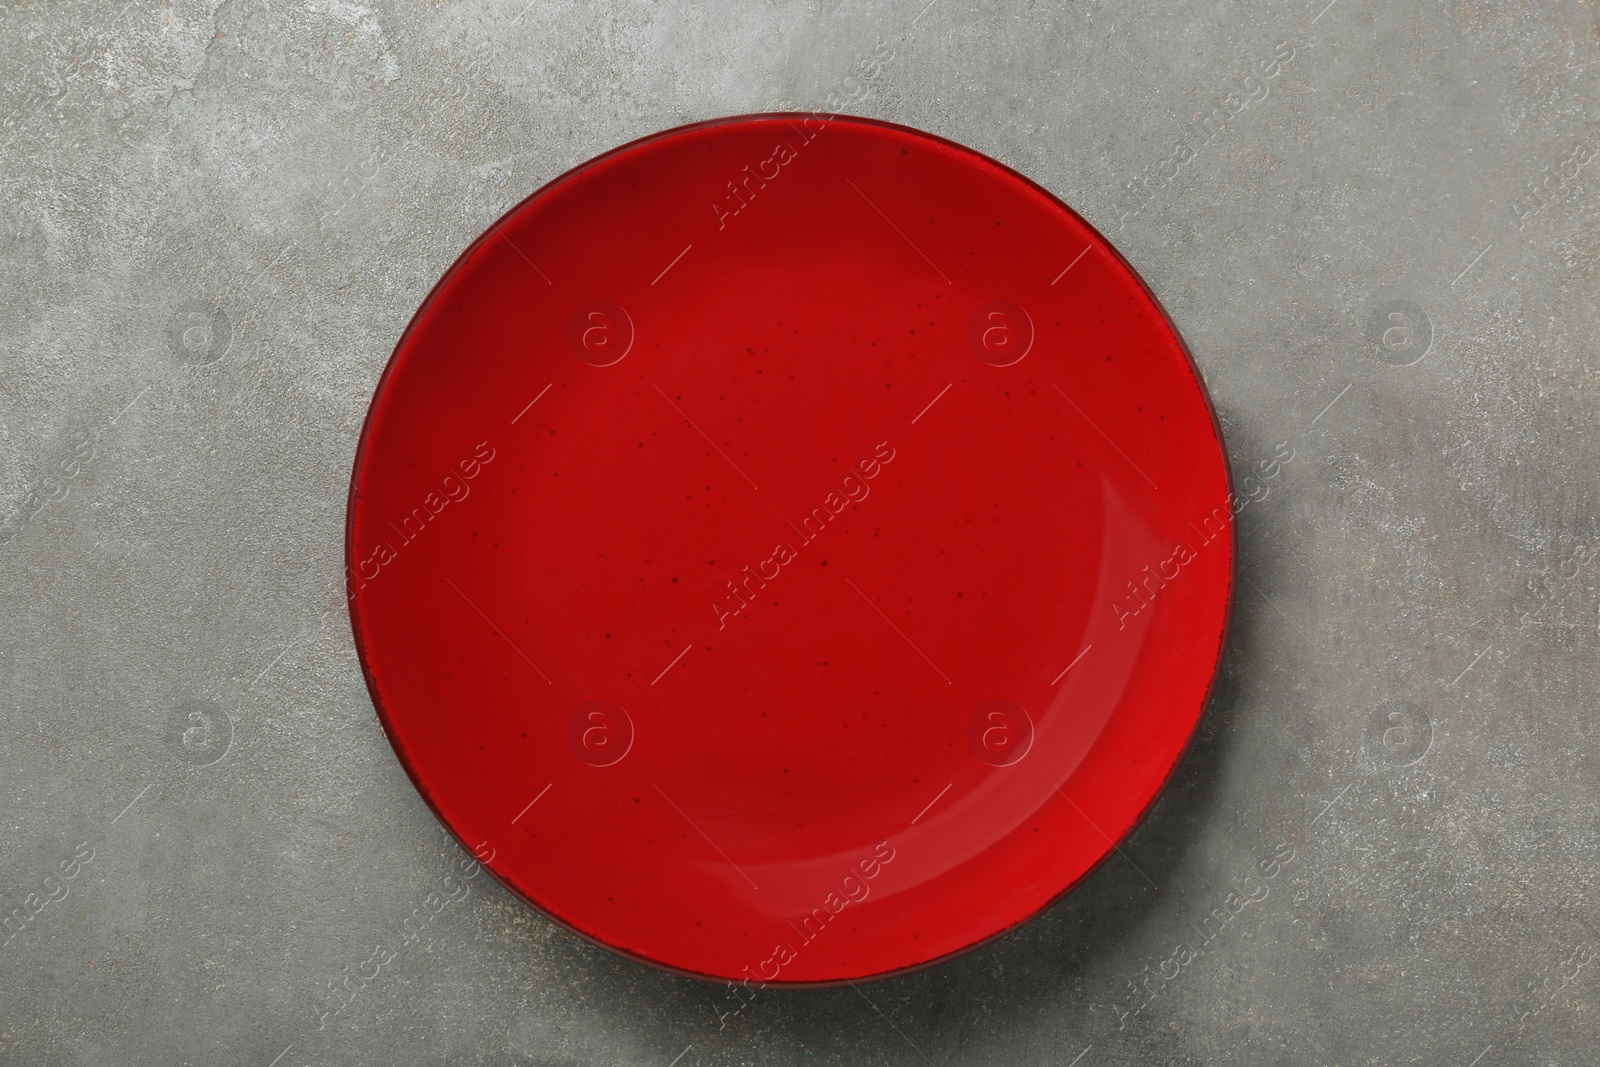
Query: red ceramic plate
[[790, 550]]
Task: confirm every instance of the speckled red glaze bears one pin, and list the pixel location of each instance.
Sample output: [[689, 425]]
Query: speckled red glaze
[[790, 550]]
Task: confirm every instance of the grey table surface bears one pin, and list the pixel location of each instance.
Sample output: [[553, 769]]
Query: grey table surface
[[217, 219]]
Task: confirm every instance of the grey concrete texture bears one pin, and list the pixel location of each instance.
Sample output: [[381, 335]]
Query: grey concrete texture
[[217, 219]]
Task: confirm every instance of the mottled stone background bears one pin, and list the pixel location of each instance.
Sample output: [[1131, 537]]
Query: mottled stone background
[[215, 220]]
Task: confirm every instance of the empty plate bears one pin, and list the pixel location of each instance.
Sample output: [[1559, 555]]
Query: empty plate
[[790, 549]]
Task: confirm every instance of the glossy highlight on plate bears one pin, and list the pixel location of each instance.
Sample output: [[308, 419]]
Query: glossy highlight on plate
[[790, 549]]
